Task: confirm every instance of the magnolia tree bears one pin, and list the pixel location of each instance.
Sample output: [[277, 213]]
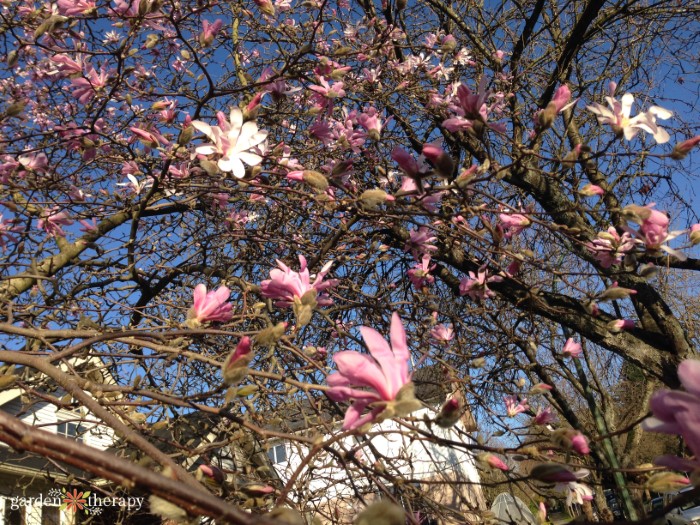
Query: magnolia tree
[[208, 199]]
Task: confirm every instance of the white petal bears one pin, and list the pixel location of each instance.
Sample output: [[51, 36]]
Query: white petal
[[204, 128], [236, 118], [249, 158], [661, 136], [661, 113], [627, 101], [206, 149]]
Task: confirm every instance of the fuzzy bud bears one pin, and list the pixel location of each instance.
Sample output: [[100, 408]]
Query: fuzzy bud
[[571, 439], [449, 414], [667, 482], [235, 367], [681, 150], [381, 513], [371, 199]]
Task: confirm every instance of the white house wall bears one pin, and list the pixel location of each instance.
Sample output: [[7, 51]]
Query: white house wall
[[406, 454]]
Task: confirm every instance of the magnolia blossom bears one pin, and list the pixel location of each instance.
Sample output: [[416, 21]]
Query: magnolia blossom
[[52, 220], [237, 142], [678, 412], [572, 348], [6, 227], [476, 285], [442, 333], [419, 242], [610, 247], [575, 492], [210, 306], [544, 416], [515, 407], [618, 116], [383, 378], [513, 223], [654, 229], [419, 275], [560, 102], [285, 284], [75, 7]]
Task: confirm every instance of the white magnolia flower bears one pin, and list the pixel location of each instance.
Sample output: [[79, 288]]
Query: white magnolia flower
[[237, 142], [618, 116], [135, 185]]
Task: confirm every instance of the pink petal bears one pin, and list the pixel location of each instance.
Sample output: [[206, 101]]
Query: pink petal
[[689, 374]]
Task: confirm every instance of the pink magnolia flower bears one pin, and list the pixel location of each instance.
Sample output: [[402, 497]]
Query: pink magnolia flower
[[371, 121], [476, 285], [442, 333], [328, 91], [610, 247], [52, 220], [86, 87], [285, 284], [382, 377], [542, 513], [572, 348], [419, 275], [618, 116], [654, 229], [235, 141], [575, 492], [75, 7], [513, 223], [419, 242], [559, 103], [209, 31], [544, 416], [678, 412], [35, 161], [210, 306], [514, 406], [406, 161], [7, 226]]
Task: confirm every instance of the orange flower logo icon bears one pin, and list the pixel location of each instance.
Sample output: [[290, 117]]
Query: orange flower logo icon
[[75, 501]]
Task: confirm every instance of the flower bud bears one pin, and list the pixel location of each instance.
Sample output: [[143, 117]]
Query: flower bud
[[492, 461], [667, 482], [371, 199], [381, 513], [552, 473], [694, 234], [270, 336], [235, 367], [571, 439], [540, 388], [449, 414], [681, 150], [443, 163], [591, 189], [619, 325]]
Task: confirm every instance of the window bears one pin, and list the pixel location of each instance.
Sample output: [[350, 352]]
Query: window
[[69, 430], [277, 454], [50, 515]]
